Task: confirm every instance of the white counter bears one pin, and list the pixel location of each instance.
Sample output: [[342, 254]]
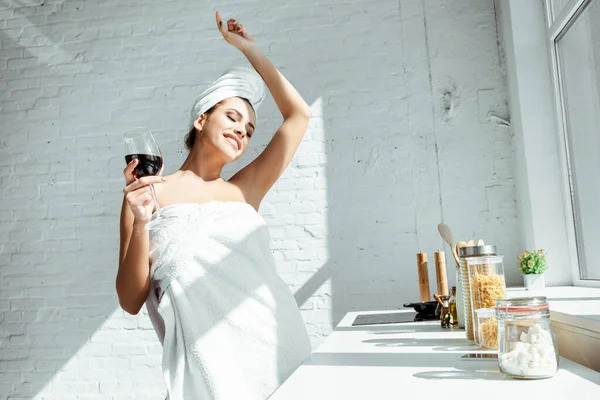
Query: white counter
[[409, 360]]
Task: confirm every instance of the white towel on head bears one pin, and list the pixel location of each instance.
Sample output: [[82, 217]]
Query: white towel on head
[[241, 82]]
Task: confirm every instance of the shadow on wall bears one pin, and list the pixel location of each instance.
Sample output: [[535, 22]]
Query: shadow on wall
[[404, 127], [373, 157]]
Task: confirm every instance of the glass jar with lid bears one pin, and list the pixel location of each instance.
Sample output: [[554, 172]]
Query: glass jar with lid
[[487, 328], [486, 284], [526, 343], [465, 253]]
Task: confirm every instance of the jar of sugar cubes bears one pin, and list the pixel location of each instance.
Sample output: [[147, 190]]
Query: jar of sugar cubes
[[526, 344]]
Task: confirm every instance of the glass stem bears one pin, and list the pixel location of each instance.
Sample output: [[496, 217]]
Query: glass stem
[[156, 205]]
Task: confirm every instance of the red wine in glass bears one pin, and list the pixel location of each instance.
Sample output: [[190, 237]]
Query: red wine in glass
[[148, 164], [140, 144]]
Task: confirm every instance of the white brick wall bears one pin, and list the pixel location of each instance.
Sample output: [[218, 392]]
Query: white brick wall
[[400, 92]]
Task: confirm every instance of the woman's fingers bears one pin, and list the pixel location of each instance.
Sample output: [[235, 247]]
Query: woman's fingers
[[143, 199], [139, 199], [234, 27], [132, 195], [219, 21], [145, 181], [128, 171], [220, 25], [242, 31]]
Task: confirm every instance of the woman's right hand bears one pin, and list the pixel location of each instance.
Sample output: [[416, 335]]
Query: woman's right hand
[[235, 33], [138, 193]]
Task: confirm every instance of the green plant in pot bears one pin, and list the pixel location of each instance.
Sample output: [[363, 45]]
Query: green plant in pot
[[532, 265]]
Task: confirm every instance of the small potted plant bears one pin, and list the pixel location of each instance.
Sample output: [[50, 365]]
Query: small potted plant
[[532, 265]]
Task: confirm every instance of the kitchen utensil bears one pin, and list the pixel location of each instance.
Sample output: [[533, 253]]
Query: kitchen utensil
[[422, 306], [423, 277], [440, 273], [446, 234], [426, 310]]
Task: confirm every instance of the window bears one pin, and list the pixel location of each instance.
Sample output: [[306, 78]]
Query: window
[[574, 35], [557, 6]]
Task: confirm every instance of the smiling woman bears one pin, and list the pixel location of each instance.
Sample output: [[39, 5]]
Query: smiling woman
[[229, 325], [232, 119]]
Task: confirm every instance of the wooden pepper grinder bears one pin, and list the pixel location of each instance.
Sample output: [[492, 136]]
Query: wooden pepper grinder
[[440, 273], [423, 277]]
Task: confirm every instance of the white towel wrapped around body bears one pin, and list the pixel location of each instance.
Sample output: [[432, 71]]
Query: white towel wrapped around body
[[229, 325]]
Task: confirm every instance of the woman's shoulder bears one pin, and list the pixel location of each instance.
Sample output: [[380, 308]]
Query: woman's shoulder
[[192, 189]]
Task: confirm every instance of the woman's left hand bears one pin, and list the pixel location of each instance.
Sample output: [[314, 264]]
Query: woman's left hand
[[235, 34]]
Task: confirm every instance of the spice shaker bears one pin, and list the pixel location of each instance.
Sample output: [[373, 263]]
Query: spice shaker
[[446, 320]]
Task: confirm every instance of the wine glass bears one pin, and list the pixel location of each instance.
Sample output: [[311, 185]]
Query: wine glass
[[140, 145]]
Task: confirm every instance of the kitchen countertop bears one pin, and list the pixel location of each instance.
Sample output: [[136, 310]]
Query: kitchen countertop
[[391, 361]]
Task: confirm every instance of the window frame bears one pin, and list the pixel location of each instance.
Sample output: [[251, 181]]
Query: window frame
[[558, 25]]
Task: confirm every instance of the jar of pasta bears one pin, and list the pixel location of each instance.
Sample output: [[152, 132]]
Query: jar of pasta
[[526, 344], [486, 284], [488, 328], [466, 253]]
